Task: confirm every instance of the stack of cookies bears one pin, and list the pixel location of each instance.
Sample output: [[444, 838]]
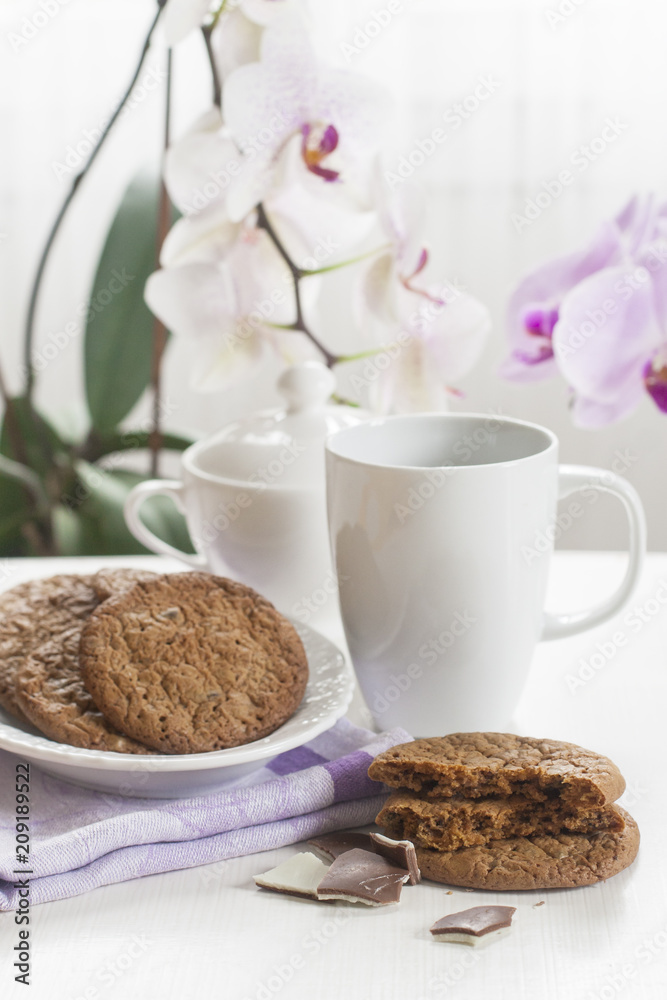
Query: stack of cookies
[[136, 662], [498, 811]]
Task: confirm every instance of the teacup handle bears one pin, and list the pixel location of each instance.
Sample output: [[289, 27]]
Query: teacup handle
[[152, 488], [580, 477]]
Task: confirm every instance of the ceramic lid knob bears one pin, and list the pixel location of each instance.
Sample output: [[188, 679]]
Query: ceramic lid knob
[[307, 386]]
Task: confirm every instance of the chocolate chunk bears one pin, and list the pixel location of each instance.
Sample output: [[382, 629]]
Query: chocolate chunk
[[330, 845], [399, 852], [363, 877], [478, 925], [298, 876]]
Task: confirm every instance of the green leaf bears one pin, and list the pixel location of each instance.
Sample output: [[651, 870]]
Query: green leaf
[[119, 327], [95, 525], [99, 445], [43, 450]]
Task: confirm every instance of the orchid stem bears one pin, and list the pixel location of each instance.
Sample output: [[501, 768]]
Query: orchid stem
[[206, 31], [159, 329], [299, 324], [345, 263], [55, 228]]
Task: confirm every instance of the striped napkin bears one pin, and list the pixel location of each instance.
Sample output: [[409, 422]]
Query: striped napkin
[[82, 839]]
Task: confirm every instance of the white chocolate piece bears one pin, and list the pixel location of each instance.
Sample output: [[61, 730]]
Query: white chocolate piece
[[298, 876], [474, 940]]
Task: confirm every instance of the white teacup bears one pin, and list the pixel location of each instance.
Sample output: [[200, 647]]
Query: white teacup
[[441, 527], [253, 496]]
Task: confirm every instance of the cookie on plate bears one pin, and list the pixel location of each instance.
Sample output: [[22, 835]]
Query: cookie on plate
[[191, 662], [32, 613], [562, 861], [48, 684], [500, 764]]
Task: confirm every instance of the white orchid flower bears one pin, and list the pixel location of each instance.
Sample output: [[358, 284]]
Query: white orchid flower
[[437, 332], [232, 309], [329, 121]]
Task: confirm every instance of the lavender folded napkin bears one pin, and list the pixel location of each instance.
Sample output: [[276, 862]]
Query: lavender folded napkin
[[81, 839]]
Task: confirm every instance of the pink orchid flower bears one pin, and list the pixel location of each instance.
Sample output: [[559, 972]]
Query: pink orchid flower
[[599, 317]]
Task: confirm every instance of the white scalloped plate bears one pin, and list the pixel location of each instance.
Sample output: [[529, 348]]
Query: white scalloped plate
[[165, 776]]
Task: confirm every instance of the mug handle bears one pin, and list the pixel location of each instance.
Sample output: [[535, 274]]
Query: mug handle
[[580, 477], [152, 488]]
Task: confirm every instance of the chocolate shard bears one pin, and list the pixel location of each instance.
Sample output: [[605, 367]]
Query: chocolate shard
[[330, 845], [298, 876], [476, 926], [363, 877], [399, 852]]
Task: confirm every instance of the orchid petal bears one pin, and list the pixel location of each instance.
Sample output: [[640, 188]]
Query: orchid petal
[[410, 383], [546, 287], [199, 301], [200, 165], [606, 332], [207, 236], [655, 379], [236, 41], [455, 333], [222, 360], [379, 290], [180, 17], [195, 300]]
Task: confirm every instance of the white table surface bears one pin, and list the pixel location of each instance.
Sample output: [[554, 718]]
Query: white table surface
[[209, 933]]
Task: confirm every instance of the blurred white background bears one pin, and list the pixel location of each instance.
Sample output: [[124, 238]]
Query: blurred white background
[[560, 68]]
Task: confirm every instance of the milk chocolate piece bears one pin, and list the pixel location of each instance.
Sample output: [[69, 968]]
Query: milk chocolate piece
[[399, 852], [330, 845], [298, 876], [363, 877], [476, 926]]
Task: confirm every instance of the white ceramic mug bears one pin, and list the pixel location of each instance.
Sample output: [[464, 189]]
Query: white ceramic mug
[[442, 527]]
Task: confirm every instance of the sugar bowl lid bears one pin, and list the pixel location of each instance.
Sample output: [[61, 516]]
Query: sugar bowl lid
[[282, 448]]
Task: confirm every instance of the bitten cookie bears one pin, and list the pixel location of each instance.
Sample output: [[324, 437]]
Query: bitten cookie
[[49, 685], [32, 613], [539, 862], [500, 764], [449, 823], [191, 662]]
